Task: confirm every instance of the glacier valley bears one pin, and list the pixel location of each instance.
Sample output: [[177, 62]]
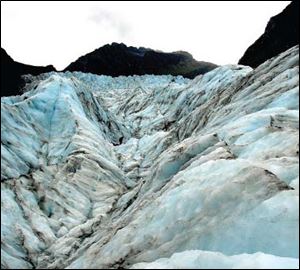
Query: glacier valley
[[153, 171]]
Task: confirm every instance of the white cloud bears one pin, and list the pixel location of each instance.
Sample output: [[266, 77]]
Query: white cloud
[[105, 18]]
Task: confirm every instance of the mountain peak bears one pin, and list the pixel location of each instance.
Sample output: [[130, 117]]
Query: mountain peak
[[12, 72], [281, 33], [118, 59]]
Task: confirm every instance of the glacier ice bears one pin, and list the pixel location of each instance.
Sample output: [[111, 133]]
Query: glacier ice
[[153, 171], [197, 259]]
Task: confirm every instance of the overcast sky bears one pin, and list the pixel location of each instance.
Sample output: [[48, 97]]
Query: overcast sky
[[41, 33]]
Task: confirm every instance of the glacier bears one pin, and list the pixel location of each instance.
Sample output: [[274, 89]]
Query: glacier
[[153, 171]]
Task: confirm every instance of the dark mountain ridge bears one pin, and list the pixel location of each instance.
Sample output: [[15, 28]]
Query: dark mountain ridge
[[118, 59], [12, 72], [281, 33]]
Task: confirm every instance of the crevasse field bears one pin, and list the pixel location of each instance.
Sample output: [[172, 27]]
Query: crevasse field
[[153, 171]]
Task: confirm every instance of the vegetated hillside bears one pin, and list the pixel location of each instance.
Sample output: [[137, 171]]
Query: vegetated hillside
[[118, 59]]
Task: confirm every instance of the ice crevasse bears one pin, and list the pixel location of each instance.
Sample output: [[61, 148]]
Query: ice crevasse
[[153, 171]]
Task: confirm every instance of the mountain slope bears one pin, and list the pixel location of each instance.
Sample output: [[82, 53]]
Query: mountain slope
[[281, 33], [102, 172], [11, 74], [118, 59]]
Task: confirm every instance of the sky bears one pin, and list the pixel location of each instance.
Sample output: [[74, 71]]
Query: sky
[[50, 32]]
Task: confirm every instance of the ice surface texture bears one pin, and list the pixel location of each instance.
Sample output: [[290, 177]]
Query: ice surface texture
[[153, 171]]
